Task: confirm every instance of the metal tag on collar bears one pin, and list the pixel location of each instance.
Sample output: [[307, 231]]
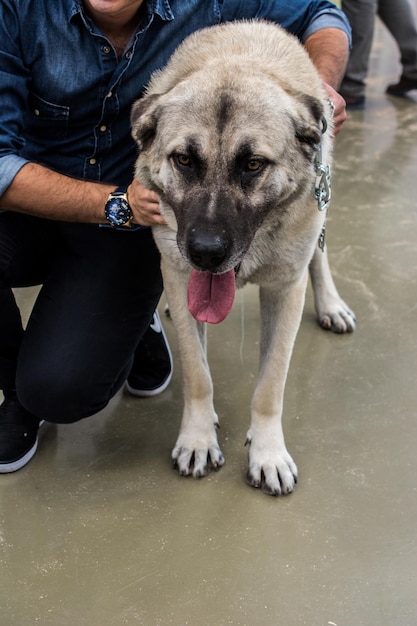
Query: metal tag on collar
[[322, 237]]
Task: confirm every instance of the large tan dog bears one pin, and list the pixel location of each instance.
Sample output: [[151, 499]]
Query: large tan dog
[[232, 136]]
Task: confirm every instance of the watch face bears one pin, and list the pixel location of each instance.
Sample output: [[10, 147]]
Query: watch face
[[118, 211]]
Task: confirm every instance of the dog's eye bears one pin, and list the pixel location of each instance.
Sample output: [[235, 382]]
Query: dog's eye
[[254, 165], [183, 160]]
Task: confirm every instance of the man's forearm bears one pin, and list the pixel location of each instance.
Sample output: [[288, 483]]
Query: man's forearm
[[39, 191], [329, 50]]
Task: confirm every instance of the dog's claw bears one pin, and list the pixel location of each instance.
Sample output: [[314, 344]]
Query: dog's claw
[[216, 466], [253, 482]]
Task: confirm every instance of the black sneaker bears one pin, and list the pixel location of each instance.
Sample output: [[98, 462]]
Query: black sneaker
[[18, 434], [151, 372]]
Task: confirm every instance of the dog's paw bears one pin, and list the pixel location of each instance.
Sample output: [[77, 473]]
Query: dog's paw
[[336, 316], [271, 468], [197, 457]]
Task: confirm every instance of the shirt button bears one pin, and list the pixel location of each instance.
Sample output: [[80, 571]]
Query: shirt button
[[128, 55], [109, 95], [37, 112], [93, 161], [106, 49], [103, 128]]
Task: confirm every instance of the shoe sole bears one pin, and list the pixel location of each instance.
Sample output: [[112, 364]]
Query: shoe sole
[[14, 466], [148, 393]]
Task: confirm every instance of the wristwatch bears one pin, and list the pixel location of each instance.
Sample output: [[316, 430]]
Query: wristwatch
[[117, 210]]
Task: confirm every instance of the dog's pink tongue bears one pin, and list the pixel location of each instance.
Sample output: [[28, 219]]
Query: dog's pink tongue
[[210, 296]]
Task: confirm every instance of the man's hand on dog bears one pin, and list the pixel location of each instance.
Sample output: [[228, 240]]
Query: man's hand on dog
[[339, 114], [144, 204]]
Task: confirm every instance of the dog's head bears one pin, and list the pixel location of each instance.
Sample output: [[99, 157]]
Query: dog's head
[[225, 154]]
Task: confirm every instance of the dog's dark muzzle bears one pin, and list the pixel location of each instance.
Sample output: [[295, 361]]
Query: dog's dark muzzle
[[207, 251]]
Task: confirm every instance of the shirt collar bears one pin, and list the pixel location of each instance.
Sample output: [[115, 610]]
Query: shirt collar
[[158, 7], [161, 8]]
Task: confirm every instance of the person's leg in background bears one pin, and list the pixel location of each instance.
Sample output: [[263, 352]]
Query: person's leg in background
[[399, 18], [361, 15]]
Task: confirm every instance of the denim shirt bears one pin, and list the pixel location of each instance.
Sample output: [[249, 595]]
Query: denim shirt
[[65, 97]]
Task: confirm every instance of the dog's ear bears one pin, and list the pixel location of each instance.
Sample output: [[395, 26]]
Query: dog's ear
[[144, 120], [309, 131]]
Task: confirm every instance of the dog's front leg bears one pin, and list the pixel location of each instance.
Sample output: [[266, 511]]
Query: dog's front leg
[[196, 450], [270, 465]]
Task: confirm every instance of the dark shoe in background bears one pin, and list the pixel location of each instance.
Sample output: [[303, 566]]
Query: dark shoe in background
[[151, 372], [402, 87]]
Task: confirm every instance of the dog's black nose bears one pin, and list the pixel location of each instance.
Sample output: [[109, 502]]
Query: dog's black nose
[[207, 251]]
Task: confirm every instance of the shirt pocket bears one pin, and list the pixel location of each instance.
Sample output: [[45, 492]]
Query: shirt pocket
[[49, 119]]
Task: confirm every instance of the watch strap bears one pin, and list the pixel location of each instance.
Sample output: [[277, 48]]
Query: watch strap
[[120, 191]]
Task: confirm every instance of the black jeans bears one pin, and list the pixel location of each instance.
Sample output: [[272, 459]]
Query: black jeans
[[100, 288]]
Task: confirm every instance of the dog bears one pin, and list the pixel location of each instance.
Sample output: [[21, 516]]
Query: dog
[[234, 135]]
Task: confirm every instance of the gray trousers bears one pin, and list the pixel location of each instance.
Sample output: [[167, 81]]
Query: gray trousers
[[399, 18]]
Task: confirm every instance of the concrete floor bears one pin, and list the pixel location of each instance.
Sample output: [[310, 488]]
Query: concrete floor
[[98, 530]]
